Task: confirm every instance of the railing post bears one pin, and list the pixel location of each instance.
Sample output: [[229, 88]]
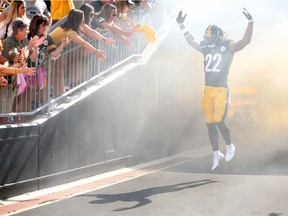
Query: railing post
[[49, 85]]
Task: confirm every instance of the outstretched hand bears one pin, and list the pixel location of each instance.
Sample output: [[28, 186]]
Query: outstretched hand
[[25, 70], [100, 55], [3, 81], [247, 15], [180, 19]]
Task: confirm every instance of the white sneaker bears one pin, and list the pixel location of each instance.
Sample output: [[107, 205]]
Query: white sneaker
[[216, 159], [230, 150]]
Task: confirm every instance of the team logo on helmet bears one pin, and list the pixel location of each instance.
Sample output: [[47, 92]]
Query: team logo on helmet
[[213, 34]]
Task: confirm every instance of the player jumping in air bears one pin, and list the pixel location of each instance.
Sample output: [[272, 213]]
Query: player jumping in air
[[218, 54]]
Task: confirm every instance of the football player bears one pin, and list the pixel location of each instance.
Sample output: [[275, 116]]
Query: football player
[[218, 54]]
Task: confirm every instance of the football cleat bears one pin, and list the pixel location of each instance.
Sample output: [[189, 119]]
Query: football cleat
[[216, 159], [230, 150]]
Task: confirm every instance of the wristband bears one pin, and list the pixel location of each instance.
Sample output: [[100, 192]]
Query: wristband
[[249, 21], [96, 52], [15, 72], [185, 32], [103, 39]]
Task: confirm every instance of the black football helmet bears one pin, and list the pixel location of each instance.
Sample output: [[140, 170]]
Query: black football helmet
[[213, 34]]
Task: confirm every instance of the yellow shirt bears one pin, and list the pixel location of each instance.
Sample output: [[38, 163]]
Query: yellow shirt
[[59, 9], [58, 34]]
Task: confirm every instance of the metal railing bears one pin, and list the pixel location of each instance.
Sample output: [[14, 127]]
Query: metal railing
[[73, 70]]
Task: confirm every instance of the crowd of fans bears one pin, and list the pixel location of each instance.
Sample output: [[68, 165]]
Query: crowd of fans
[[32, 30]]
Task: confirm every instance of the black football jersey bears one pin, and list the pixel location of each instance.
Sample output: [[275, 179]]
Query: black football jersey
[[217, 61]]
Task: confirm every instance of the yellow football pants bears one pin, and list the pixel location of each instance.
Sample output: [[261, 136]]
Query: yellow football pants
[[215, 103]]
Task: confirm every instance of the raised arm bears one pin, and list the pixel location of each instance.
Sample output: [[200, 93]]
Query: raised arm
[[116, 30], [33, 45], [237, 46], [123, 35], [78, 40], [189, 38], [3, 15], [96, 35]]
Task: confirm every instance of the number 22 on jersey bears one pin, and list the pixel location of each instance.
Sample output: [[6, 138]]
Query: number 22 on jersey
[[213, 63]]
